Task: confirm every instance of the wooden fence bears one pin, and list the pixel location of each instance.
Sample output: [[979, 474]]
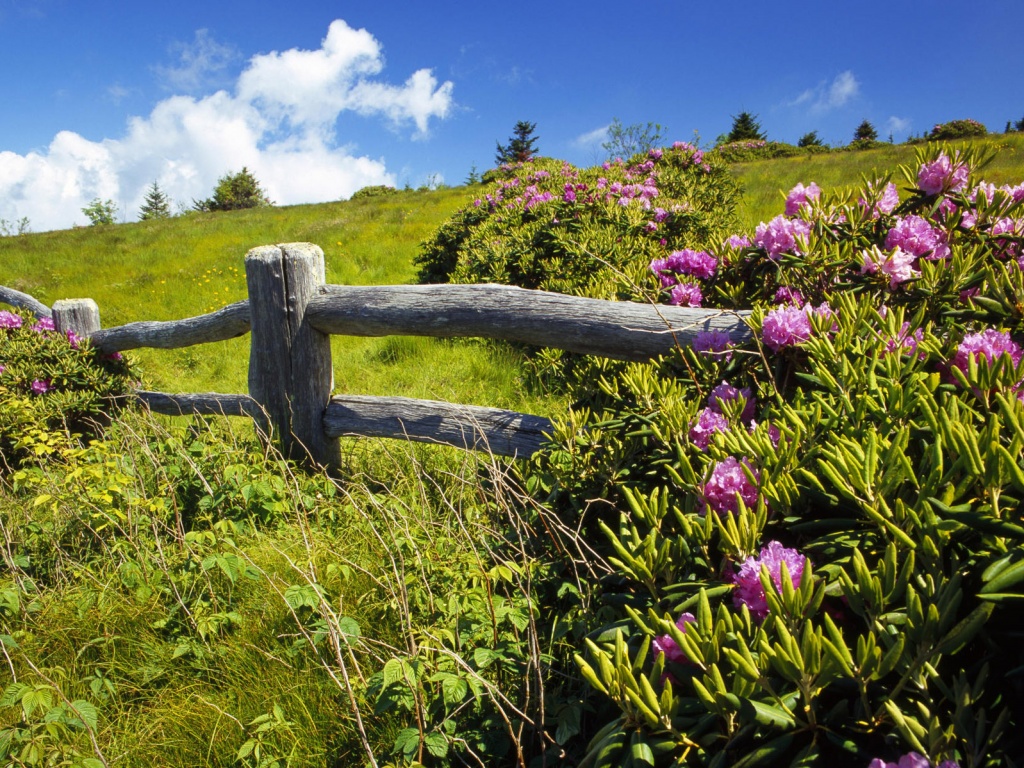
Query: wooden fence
[[291, 314]]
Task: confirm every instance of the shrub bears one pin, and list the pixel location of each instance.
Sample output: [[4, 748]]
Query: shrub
[[377, 190], [747, 151], [816, 537], [957, 129], [52, 386], [235, 191], [586, 232], [100, 212]]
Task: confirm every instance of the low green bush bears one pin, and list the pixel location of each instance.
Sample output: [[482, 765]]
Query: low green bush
[[816, 539], [52, 386], [757, 149], [957, 129], [377, 190]]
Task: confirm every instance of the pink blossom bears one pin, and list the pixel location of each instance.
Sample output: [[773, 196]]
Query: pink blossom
[[713, 342], [780, 235], [655, 154], [73, 338], [906, 342], [696, 263], [664, 644], [1017, 192], [786, 327], [749, 589], [686, 295], [708, 422], [737, 241], [787, 295], [990, 344], [726, 393], [44, 325], [886, 203], [898, 266], [9, 320], [728, 484], [916, 236], [911, 760], [40, 386], [800, 197], [941, 175]]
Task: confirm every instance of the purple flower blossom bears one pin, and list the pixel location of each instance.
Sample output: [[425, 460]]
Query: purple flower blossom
[[941, 175], [737, 242], [664, 644], [728, 484], [787, 295], [686, 295], [44, 325], [73, 338], [911, 760], [886, 203], [801, 197], [660, 214], [40, 386], [780, 235], [749, 590], [786, 327], [9, 320], [916, 236], [898, 266], [990, 344], [709, 422], [655, 154], [725, 393], [696, 263], [713, 342]]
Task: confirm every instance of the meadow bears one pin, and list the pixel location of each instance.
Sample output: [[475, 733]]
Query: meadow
[[176, 594]]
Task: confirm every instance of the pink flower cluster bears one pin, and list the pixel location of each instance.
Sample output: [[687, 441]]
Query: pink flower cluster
[[942, 175], [916, 236], [885, 203], [912, 760], [801, 197], [44, 325], [728, 484], [990, 344], [749, 589], [713, 343], [41, 386], [780, 235], [685, 295], [664, 644], [9, 320], [685, 262], [707, 424], [898, 266], [788, 326]]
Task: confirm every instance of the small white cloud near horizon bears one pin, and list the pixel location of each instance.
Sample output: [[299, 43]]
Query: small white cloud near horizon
[[897, 124], [279, 122], [591, 139], [827, 96]]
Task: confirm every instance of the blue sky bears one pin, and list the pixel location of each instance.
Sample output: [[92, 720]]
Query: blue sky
[[102, 98]]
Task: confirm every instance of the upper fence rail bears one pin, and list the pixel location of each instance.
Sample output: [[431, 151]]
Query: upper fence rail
[[291, 314]]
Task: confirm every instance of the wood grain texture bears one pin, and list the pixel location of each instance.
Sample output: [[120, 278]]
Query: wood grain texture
[[617, 329], [79, 315], [226, 323], [21, 300], [505, 433], [204, 403]]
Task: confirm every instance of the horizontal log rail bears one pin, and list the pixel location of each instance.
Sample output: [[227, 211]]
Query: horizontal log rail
[[297, 312]]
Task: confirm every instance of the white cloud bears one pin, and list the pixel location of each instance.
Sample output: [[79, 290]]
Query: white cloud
[[591, 139], [200, 63], [897, 124], [279, 122], [827, 96]]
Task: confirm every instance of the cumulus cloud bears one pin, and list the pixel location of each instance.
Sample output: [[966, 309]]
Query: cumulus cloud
[[279, 121], [829, 95]]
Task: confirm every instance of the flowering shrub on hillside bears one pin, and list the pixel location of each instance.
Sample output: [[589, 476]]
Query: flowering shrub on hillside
[[52, 386]]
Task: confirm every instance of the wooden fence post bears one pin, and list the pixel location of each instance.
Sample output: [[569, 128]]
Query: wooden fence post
[[79, 315], [290, 371]]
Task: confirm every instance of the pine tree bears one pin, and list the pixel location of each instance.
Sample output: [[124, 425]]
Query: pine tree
[[233, 192], [865, 132], [746, 128], [156, 205], [521, 146], [810, 140]]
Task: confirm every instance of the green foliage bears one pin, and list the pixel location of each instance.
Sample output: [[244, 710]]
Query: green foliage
[[584, 232], [100, 212], [635, 138], [377, 190], [235, 191], [52, 387], [745, 127], [20, 227], [865, 132], [957, 129], [156, 205], [810, 140], [521, 147], [756, 149], [895, 473]]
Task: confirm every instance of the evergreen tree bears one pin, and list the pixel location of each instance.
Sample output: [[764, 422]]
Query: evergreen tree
[[810, 140], [865, 132], [745, 128], [235, 191], [521, 145], [156, 205]]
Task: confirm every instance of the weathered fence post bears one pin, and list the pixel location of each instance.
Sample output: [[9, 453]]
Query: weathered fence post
[[290, 371], [79, 315]]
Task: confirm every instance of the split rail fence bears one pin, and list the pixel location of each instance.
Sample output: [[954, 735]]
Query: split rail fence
[[291, 313]]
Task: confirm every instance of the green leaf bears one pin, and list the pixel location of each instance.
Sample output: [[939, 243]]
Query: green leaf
[[436, 744], [86, 712]]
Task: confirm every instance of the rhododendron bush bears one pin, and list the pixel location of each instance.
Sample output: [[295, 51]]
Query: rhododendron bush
[[815, 536]]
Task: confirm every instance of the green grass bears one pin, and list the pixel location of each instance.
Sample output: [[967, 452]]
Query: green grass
[[766, 182]]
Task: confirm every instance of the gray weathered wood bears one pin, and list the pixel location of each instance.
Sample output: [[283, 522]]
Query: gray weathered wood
[[79, 315], [290, 371], [226, 323], [504, 433], [23, 301], [205, 403], [619, 329]]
